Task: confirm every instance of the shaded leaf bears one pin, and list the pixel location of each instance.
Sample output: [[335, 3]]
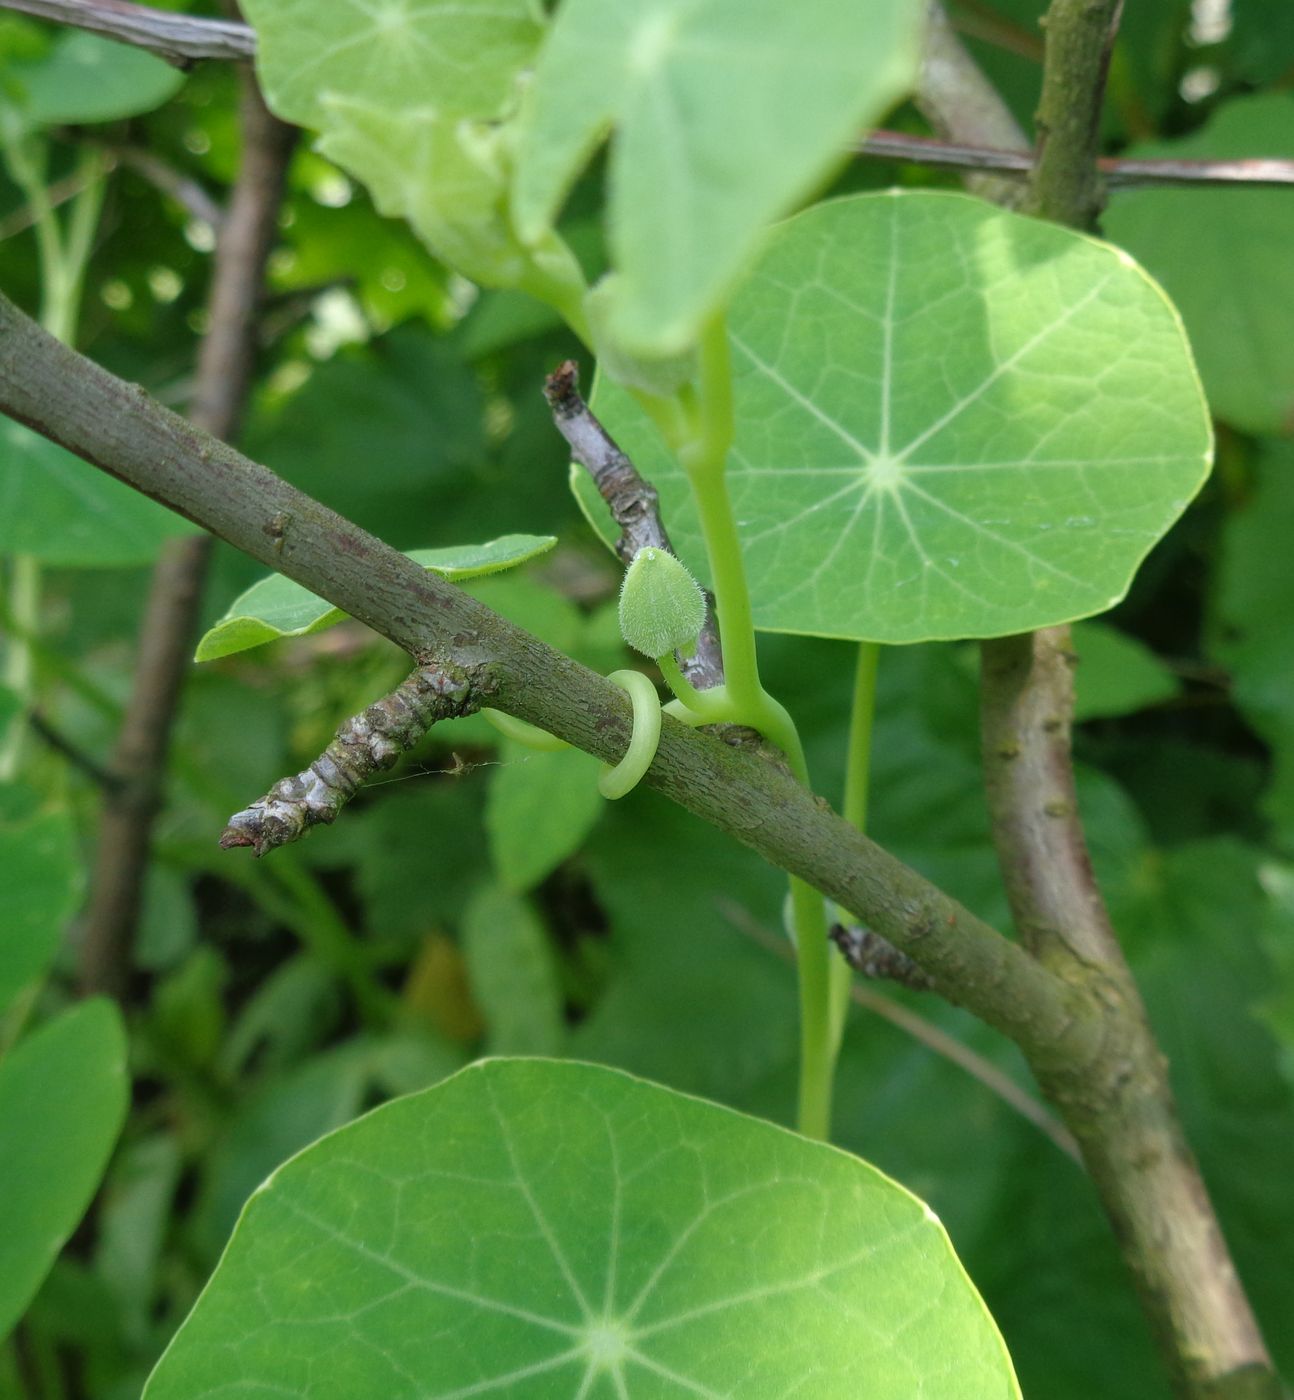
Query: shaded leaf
[[514, 978], [63, 1097], [1222, 255], [42, 886], [61, 510], [1250, 629], [1117, 675], [540, 808], [85, 78]]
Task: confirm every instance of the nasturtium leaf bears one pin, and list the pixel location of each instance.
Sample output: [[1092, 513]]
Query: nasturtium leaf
[[61, 510], [1223, 256], [410, 98], [952, 421], [537, 1228], [726, 112], [539, 809], [1117, 674], [277, 607], [85, 78], [41, 864], [513, 974], [63, 1096]]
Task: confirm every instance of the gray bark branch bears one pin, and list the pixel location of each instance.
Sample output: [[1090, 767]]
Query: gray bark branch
[[179, 39]]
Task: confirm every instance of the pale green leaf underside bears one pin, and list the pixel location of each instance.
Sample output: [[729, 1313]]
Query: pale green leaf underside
[[544, 1229], [277, 607], [952, 421], [404, 94], [725, 113]]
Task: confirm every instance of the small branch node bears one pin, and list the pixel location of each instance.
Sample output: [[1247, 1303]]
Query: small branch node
[[367, 743], [877, 958]]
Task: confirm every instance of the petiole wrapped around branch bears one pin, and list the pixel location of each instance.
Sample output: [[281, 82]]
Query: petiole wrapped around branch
[[368, 743]]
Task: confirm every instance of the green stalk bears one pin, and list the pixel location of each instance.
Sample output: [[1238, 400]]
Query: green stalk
[[859, 761], [22, 604], [62, 268], [704, 456]]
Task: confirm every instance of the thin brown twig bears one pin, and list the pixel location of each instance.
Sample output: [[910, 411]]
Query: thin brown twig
[[1119, 172], [925, 1033], [187, 192], [55, 739], [183, 38], [179, 39], [226, 361], [632, 501]]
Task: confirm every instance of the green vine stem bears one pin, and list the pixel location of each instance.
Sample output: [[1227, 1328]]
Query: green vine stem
[[62, 273], [702, 431], [63, 262], [858, 765]]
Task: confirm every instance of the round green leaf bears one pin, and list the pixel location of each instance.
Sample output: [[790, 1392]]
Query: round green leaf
[[726, 112], [277, 607], [952, 421], [63, 1096], [63, 511], [539, 1229]]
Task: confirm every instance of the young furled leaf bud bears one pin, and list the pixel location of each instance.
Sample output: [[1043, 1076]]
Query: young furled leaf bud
[[662, 608]]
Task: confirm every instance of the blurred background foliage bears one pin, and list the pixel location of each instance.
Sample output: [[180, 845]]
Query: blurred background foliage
[[482, 899]]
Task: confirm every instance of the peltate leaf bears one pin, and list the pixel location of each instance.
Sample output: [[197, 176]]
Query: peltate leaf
[[538, 1229], [725, 113], [63, 1096], [952, 421], [277, 607]]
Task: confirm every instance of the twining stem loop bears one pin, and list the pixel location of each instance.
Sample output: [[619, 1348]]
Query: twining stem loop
[[616, 781]]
